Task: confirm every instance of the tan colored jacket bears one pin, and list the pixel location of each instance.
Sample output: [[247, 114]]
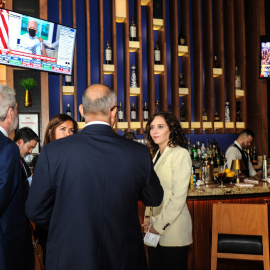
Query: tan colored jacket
[[172, 219]]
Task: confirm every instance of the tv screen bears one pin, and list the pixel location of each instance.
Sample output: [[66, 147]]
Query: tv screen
[[34, 43], [265, 57]]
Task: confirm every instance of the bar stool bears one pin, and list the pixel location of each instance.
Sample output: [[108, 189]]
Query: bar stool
[[240, 231]]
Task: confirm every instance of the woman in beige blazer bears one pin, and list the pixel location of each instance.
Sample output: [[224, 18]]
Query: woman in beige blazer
[[171, 220]]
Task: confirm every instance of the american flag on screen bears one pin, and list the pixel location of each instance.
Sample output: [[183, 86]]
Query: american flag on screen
[[3, 28]]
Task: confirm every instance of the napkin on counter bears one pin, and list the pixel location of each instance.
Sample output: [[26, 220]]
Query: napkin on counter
[[244, 185], [199, 182]]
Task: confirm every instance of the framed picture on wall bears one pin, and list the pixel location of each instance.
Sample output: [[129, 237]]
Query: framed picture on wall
[[30, 120]]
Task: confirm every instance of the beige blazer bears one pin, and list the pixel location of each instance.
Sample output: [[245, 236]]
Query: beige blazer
[[172, 219]]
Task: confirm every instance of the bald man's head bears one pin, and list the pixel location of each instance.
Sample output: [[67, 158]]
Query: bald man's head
[[98, 99]]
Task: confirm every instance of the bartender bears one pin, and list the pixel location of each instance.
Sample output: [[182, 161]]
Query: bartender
[[238, 151]]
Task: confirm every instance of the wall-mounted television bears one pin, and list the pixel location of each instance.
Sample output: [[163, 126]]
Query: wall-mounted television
[[30, 42], [265, 57]]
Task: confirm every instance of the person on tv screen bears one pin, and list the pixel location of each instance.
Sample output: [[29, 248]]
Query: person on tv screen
[[30, 43]]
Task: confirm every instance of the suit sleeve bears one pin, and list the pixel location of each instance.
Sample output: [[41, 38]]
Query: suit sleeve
[[40, 201], [181, 168], [152, 191], [9, 163]]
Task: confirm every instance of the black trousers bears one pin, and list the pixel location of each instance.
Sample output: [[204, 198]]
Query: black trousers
[[163, 258]]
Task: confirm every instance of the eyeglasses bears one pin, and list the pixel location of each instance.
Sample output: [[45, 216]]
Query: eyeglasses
[[114, 107]]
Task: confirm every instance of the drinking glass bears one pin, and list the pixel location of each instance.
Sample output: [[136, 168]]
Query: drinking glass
[[221, 175]]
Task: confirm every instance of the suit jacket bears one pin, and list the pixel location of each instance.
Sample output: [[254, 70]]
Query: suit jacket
[[172, 219], [86, 188], [14, 230]]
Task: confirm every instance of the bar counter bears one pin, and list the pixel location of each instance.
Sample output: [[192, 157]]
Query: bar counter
[[200, 201]]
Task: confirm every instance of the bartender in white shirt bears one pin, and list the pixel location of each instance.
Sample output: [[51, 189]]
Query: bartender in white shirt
[[238, 151]]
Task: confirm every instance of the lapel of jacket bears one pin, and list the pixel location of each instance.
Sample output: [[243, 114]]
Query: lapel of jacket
[[162, 158]]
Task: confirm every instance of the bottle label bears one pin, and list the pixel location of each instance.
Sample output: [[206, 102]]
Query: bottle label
[[132, 31], [204, 118], [120, 115], [68, 113], [237, 82], [108, 55], [145, 115], [157, 55], [133, 115]]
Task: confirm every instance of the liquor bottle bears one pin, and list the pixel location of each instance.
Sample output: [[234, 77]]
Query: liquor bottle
[[227, 112], [237, 79], [157, 54], [157, 9], [203, 149], [251, 154], [183, 113], [264, 168], [133, 79], [181, 39], [120, 113], [145, 112], [133, 113], [181, 80], [108, 53], [169, 108], [216, 117], [204, 116], [216, 64], [255, 158], [68, 111], [194, 152], [189, 146], [157, 106], [133, 30], [67, 80], [238, 112]]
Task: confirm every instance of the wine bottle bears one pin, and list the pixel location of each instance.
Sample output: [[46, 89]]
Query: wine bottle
[[68, 111], [169, 108], [133, 30], [238, 112], [133, 113], [181, 80], [108, 53], [157, 106], [255, 158], [157, 54], [157, 9], [237, 79], [216, 64], [204, 116], [227, 112], [145, 112], [67, 80], [183, 113], [181, 39], [120, 114]]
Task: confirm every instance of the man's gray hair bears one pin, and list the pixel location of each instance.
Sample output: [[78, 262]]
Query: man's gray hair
[[7, 100], [100, 105]]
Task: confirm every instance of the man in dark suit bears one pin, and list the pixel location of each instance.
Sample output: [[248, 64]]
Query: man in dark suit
[[86, 189], [13, 222], [26, 139]]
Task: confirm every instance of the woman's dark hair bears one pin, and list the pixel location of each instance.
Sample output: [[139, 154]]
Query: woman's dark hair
[[56, 121], [177, 135]]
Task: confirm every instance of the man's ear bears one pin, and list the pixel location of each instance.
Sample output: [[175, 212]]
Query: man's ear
[[81, 110], [20, 142]]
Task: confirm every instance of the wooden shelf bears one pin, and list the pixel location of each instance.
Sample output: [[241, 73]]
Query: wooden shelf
[[182, 50], [68, 90], [184, 125], [183, 92], [207, 125], [157, 24], [195, 125], [81, 125], [240, 125], [239, 93], [217, 72], [122, 125], [134, 91], [158, 69], [145, 2], [108, 69], [218, 125], [134, 46], [229, 125], [135, 125]]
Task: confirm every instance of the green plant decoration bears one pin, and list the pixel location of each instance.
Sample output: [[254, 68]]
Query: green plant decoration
[[28, 83]]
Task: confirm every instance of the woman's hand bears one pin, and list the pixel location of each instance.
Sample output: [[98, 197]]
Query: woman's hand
[[153, 230], [146, 224]]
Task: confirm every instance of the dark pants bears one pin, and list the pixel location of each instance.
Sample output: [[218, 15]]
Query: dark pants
[[163, 258]]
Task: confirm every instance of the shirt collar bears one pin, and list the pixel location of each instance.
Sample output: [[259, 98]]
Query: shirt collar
[[96, 123], [236, 142], [3, 131]]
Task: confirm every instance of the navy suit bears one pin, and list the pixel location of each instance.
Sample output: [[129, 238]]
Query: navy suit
[[86, 189], [14, 230]]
